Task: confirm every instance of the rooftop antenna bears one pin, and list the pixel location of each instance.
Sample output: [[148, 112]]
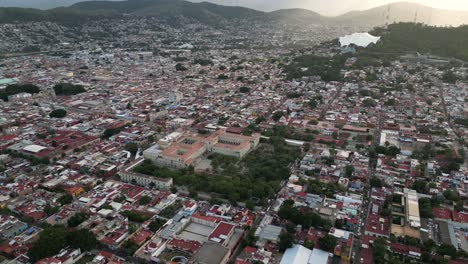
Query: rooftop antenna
[[416, 17], [430, 18], [387, 15]]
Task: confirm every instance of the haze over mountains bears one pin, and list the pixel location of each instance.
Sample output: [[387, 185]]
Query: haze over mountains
[[212, 13]]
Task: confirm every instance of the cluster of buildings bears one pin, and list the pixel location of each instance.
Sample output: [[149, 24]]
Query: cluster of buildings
[[376, 146]]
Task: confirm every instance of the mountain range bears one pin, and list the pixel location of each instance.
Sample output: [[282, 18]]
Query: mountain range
[[212, 13]]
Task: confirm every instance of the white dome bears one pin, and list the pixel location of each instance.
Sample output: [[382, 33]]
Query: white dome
[[358, 39]]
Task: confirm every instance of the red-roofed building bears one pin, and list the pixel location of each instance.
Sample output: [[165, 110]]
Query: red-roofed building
[[461, 217], [6, 141], [140, 237], [222, 233], [250, 250], [241, 261], [367, 256], [458, 261], [189, 246], [376, 225], [205, 220], [405, 250], [442, 213], [105, 257]]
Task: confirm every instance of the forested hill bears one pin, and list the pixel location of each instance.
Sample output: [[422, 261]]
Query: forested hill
[[405, 38], [212, 13], [397, 40], [204, 12]]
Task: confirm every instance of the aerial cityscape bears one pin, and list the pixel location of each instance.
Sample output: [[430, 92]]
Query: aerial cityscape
[[168, 131]]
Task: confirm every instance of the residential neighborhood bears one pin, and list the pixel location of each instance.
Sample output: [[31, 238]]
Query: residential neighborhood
[[202, 146]]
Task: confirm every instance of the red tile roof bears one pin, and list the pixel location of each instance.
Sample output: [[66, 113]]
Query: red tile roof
[[221, 231], [442, 213], [185, 245]]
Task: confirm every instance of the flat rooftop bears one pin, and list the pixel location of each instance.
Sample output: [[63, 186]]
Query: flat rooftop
[[196, 232]]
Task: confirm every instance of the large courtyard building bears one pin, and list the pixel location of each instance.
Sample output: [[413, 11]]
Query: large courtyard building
[[188, 149]]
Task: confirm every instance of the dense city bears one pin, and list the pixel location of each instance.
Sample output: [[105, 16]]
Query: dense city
[[152, 142]]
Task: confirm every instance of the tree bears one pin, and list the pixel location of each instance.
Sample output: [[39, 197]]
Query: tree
[[180, 67], [83, 239], [58, 113], [203, 62], [335, 135], [16, 89], [50, 242], [285, 241], [452, 166], [223, 76], [144, 200], [451, 195], [349, 170], [327, 243], [375, 182], [129, 248], [290, 227], [393, 151], [447, 250], [250, 205], [309, 244], [119, 199], [156, 224], [77, 219], [425, 208], [277, 115], [369, 102], [132, 148], [193, 193], [134, 216], [49, 210], [379, 250], [449, 77], [419, 186], [68, 89], [313, 122], [244, 89], [307, 146], [65, 199], [55, 238], [312, 104]]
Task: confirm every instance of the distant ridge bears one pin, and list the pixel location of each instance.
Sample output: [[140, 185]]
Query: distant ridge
[[405, 12], [212, 13]]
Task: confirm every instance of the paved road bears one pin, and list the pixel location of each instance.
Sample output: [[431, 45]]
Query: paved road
[[356, 251]]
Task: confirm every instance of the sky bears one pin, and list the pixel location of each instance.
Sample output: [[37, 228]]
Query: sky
[[335, 7]]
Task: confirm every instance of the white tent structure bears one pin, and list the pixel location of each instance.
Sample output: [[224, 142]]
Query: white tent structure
[[358, 39], [302, 255]]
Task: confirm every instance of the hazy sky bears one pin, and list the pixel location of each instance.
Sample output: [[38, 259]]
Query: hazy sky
[[335, 7]]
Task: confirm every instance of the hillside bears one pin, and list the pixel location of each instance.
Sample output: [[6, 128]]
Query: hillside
[[300, 16], [39, 4], [397, 40], [404, 12], [404, 38], [213, 13]]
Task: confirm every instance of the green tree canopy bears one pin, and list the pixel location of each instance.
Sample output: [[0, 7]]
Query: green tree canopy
[[285, 241], [132, 148], [68, 89], [58, 113], [77, 219], [327, 243]]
